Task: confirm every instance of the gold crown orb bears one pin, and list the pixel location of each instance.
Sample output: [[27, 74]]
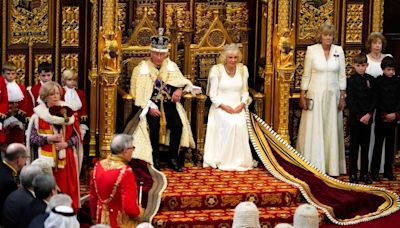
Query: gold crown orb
[[217, 4], [146, 2]]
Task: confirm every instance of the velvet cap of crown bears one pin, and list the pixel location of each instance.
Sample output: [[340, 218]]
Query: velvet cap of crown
[[159, 43]]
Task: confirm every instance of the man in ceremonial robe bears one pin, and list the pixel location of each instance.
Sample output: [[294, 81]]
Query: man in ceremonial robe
[[113, 192], [157, 86]]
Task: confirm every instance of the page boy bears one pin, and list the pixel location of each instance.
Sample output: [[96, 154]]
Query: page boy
[[387, 114], [361, 101]]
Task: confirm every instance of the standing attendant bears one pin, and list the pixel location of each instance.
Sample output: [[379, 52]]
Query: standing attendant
[[321, 138]]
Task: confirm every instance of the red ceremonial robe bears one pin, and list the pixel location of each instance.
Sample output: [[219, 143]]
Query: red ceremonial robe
[[113, 193], [66, 167], [3, 107]]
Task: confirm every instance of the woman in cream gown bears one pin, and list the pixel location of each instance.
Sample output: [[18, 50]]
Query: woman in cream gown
[[321, 138], [227, 139]]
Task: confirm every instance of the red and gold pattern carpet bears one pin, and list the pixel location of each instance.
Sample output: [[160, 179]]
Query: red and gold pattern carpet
[[205, 197]]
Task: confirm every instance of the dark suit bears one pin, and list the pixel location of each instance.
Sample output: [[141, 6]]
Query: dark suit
[[7, 184], [14, 207], [388, 95], [361, 99], [38, 221], [36, 207]]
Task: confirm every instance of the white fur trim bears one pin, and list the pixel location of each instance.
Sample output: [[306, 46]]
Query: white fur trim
[[12, 121], [43, 112]]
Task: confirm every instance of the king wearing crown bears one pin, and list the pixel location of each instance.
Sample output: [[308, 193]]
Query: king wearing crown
[[157, 86]]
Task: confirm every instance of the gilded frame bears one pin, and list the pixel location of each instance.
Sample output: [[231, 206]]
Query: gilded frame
[[40, 14]]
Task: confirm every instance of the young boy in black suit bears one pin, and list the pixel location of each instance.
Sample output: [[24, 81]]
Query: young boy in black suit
[[387, 114], [361, 102]]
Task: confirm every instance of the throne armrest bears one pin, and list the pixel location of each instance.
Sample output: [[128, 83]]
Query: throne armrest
[[258, 102], [127, 101]]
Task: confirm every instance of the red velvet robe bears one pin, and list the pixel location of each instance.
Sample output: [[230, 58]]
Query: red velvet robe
[[66, 170], [124, 203], [3, 107], [34, 92], [15, 134]]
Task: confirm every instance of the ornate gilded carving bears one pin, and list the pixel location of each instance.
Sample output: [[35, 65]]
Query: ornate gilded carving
[[284, 42], [354, 22], [377, 16], [144, 29], [57, 57], [4, 31], [122, 8], [70, 61], [312, 14], [146, 6], [19, 61], [283, 14], [349, 60], [29, 20], [70, 26], [300, 56], [203, 18], [281, 103], [39, 59], [236, 18], [176, 15]]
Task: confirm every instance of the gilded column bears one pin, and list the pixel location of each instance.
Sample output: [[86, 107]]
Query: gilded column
[[109, 49], [283, 58], [377, 16], [94, 82], [269, 68]]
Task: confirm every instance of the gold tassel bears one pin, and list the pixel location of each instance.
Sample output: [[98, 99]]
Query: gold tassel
[[124, 221], [105, 215], [163, 123]]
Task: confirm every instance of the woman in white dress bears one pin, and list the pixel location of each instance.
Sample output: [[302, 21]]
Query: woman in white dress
[[375, 44], [321, 138], [227, 139]]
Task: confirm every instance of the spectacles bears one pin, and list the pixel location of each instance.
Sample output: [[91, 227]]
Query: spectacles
[[130, 148]]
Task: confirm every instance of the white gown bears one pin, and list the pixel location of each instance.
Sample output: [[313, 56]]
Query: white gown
[[227, 140], [374, 69], [321, 137]]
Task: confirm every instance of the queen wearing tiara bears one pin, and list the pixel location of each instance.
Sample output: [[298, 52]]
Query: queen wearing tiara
[[227, 140]]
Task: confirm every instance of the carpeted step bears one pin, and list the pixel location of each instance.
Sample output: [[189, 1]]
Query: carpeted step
[[207, 188], [220, 218]]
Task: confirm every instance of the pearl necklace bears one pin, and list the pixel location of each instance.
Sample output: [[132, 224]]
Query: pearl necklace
[[230, 72]]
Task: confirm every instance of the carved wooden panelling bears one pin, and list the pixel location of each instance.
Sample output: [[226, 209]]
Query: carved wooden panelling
[[70, 26], [176, 15], [69, 61], [300, 55], [19, 61], [349, 60], [203, 20], [29, 20], [122, 12], [150, 6], [39, 59], [313, 13], [354, 22], [236, 18]]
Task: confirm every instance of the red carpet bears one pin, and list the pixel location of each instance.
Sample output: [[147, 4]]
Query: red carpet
[[206, 197]]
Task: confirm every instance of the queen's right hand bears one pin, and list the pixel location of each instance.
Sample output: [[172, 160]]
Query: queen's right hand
[[55, 138]]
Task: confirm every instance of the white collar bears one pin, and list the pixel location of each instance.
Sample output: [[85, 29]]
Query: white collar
[[72, 98], [14, 92]]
